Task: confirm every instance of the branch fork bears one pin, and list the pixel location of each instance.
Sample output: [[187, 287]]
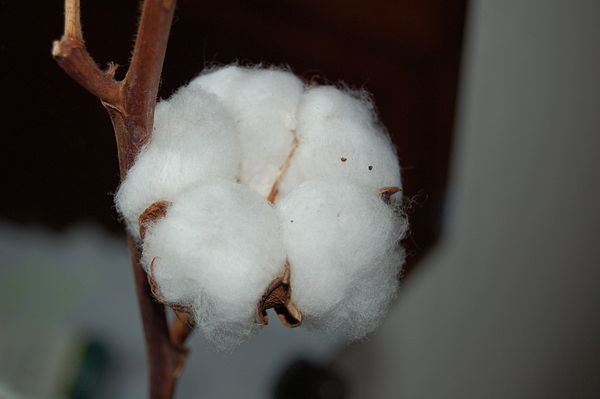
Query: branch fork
[[130, 104]]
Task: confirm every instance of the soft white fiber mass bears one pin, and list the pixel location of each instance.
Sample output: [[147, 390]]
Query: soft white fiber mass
[[342, 243], [215, 251], [194, 138], [264, 104], [218, 146], [339, 136]]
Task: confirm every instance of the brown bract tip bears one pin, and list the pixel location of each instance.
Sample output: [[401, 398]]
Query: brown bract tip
[[154, 212], [278, 296], [387, 192]]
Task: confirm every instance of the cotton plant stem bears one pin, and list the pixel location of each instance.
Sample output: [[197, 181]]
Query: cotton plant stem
[[164, 358], [140, 86], [73, 20], [130, 104]]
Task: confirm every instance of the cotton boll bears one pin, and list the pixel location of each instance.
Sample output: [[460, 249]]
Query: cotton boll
[[264, 102], [216, 250], [342, 243], [194, 138], [339, 136]]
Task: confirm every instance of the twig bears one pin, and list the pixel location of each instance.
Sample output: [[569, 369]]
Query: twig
[[73, 20], [70, 53], [130, 104]]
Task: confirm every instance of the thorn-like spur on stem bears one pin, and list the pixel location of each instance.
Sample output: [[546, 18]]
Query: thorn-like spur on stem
[[278, 296], [70, 54], [387, 192]]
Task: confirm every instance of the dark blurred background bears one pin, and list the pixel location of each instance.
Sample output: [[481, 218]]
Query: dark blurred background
[[60, 172], [59, 146], [493, 106]]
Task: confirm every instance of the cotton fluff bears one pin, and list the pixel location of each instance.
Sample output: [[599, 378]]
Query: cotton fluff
[[339, 136], [342, 243], [216, 250], [221, 243], [264, 103], [194, 138]]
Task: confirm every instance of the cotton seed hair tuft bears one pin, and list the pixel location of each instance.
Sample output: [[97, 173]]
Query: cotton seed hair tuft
[[194, 138], [214, 252], [273, 199]]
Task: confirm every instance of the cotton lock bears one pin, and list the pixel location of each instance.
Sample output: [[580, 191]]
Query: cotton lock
[[216, 250]]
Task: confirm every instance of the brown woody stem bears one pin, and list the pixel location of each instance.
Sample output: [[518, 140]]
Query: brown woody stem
[[73, 20], [71, 55], [143, 76], [130, 105]]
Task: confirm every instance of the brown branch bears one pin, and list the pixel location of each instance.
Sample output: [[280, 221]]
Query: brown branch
[[130, 105], [164, 358], [143, 76], [70, 53], [73, 20]]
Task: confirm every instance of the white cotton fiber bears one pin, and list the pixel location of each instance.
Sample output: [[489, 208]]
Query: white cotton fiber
[[216, 250], [342, 243], [194, 138], [339, 136], [264, 103], [218, 147]]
